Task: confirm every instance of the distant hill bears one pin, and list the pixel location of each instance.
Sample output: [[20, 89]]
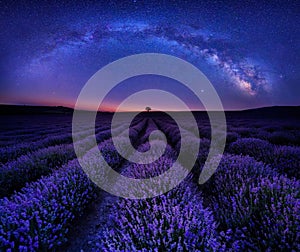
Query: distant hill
[[274, 111], [33, 110]]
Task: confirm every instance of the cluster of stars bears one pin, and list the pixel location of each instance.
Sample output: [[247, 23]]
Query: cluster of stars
[[196, 42]]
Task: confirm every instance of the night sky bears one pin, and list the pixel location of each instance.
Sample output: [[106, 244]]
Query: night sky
[[249, 50]]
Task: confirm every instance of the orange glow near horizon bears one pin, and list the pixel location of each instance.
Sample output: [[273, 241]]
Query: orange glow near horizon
[[105, 106]]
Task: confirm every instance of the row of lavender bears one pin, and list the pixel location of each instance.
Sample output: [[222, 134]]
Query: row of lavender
[[39, 216]]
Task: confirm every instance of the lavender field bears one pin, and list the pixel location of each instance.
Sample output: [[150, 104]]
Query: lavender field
[[251, 203]]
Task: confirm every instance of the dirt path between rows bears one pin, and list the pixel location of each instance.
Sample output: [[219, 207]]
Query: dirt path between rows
[[91, 223]]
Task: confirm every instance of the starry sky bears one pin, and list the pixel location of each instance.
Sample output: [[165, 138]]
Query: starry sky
[[249, 50]]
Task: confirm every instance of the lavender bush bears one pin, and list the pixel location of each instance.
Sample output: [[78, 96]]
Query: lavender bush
[[176, 221], [286, 160], [283, 138], [260, 208], [39, 217], [259, 149], [15, 174]]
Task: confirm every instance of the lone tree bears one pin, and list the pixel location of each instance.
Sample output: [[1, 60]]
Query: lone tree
[[148, 109]]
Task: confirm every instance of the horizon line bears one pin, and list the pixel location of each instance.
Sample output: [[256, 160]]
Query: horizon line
[[142, 111]]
